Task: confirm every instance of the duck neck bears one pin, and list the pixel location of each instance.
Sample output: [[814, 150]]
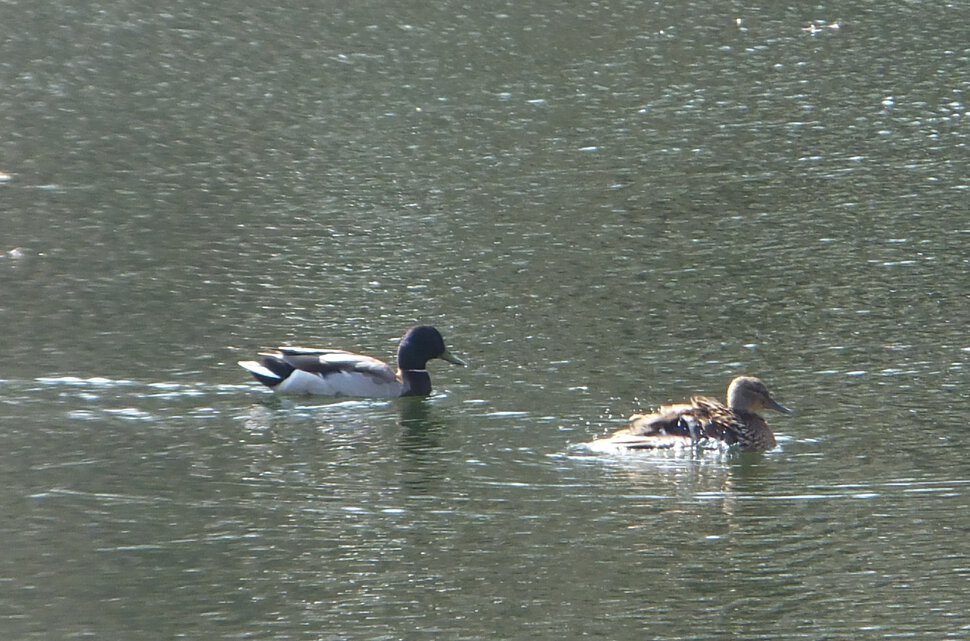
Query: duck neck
[[417, 382], [757, 435], [749, 417]]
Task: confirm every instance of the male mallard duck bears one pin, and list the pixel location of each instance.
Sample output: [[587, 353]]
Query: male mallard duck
[[704, 421], [334, 372]]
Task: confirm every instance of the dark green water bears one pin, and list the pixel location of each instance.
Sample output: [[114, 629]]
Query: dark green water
[[604, 207]]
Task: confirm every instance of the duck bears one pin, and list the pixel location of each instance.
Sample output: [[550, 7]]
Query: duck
[[704, 422], [335, 372]]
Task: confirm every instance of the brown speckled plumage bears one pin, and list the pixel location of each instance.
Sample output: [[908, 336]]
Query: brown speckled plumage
[[705, 421]]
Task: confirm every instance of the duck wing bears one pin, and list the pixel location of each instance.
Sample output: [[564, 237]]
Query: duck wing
[[664, 422], [328, 362], [712, 420], [716, 421], [702, 418]]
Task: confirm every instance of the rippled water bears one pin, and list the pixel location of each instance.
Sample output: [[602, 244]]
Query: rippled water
[[604, 207], [236, 514]]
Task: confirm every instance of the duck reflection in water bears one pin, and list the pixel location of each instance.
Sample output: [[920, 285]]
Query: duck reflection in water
[[424, 463], [703, 422]]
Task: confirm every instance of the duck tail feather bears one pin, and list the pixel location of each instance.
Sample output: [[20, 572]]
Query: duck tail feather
[[270, 372]]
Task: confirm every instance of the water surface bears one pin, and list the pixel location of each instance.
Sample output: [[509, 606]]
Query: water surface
[[604, 207]]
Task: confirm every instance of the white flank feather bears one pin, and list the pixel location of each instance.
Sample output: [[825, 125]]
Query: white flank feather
[[339, 384]]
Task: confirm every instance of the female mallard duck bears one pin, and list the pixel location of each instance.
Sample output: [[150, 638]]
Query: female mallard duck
[[704, 422], [334, 372]]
